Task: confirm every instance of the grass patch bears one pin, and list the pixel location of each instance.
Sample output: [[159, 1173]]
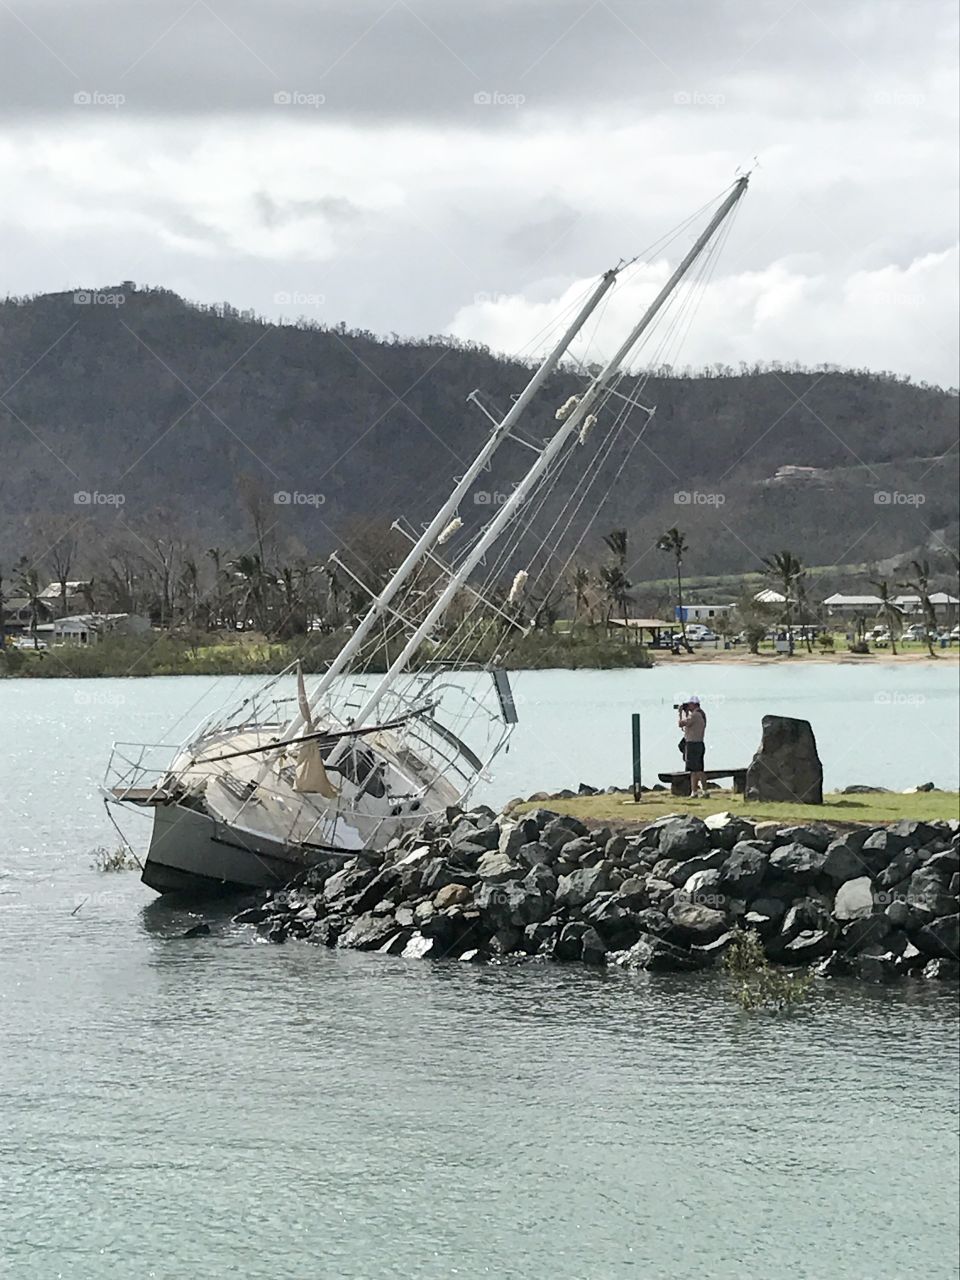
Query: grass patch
[[755, 984], [874, 809], [110, 860]]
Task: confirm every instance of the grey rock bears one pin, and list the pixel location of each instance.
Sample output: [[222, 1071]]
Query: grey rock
[[710, 953], [940, 938], [901, 868], [703, 889], [797, 862], [834, 965], [942, 970], [854, 899], [814, 836], [845, 860], [683, 837], [419, 948], [574, 850], [765, 925], [866, 931], [743, 870], [945, 864], [394, 945], [633, 891], [505, 941], [811, 944], [928, 893], [568, 944], [580, 886], [201, 930], [657, 956], [693, 923], [727, 829], [367, 932], [786, 766], [535, 853], [880, 848], [497, 868], [897, 912], [875, 964], [711, 860], [914, 833], [593, 949]]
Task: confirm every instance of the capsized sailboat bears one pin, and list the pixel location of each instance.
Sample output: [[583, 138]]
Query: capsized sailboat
[[256, 794]]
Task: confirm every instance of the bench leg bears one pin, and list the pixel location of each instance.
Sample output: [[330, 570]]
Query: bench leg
[[680, 785], [740, 783]]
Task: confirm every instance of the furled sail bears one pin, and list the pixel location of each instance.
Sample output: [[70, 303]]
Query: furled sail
[[310, 773]]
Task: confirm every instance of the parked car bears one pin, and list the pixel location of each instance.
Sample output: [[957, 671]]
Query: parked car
[[916, 631]]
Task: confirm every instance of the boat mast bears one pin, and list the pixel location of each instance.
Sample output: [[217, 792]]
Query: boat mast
[[440, 521], [548, 454]]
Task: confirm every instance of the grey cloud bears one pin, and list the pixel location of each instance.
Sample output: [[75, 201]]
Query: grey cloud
[[414, 59]]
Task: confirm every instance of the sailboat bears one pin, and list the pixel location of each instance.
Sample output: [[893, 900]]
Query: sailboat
[[261, 791]]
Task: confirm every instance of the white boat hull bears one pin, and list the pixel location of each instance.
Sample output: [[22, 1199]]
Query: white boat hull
[[191, 852]]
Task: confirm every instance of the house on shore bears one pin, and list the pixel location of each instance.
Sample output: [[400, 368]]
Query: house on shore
[[90, 628]]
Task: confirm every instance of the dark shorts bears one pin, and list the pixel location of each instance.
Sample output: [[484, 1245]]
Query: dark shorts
[[693, 757]]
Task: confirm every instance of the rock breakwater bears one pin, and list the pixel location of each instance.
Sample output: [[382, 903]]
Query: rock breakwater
[[874, 903]]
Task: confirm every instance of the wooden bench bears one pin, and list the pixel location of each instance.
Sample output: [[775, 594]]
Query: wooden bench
[[680, 782]]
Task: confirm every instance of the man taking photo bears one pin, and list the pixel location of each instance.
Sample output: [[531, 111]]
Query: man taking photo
[[693, 721]]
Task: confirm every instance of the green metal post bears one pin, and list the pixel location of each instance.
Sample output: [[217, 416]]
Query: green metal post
[[635, 724]]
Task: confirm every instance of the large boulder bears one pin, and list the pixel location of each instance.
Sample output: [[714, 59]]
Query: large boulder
[[845, 859], [743, 870], [710, 860], [928, 893], [498, 868], [813, 835], [368, 932], [797, 863], [786, 767], [940, 937], [693, 923], [681, 838], [854, 899], [581, 885]]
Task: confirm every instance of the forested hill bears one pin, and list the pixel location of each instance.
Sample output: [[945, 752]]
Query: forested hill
[[169, 405]]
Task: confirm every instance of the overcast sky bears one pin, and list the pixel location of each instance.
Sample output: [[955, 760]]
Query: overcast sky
[[465, 166]]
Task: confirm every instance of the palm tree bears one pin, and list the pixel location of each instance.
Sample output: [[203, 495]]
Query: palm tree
[[921, 585], [889, 612], [616, 540], [249, 567], [787, 572], [580, 582], [617, 589], [675, 544]]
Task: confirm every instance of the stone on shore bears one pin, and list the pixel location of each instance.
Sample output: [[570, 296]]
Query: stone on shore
[[786, 766]]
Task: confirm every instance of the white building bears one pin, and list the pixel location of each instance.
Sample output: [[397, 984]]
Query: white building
[[852, 606], [706, 612], [88, 628]]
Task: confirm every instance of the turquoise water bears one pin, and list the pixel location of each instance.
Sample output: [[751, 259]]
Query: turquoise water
[[221, 1107]]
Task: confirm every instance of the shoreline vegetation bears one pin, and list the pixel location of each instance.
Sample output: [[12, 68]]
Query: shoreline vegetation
[[167, 653]]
